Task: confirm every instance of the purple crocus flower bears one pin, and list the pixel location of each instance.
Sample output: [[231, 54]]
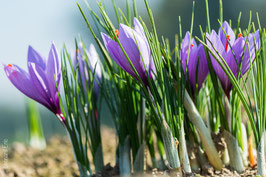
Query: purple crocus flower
[[197, 63], [221, 43], [94, 65], [39, 82], [137, 48]]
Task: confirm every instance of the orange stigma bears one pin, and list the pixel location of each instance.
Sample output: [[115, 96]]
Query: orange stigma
[[9, 65], [192, 45], [240, 35], [228, 39], [117, 33]]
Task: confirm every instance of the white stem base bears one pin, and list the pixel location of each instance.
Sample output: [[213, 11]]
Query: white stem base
[[234, 153], [204, 134], [183, 151], [124, 159], [261, 157]]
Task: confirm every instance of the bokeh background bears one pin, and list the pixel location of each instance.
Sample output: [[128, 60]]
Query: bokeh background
[[38, 23]]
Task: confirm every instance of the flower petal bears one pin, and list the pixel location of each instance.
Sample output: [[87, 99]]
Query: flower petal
[[192, 66], [21, 80], [138, 28], [250, 50], [38, 78], [83, 70], [217, 44], [152, 69], [185, 41], [115, 52], [185, 47], [52, 72], [53, 67], [203, 69], [229, 32], [136, 48], [234, 60], [35, 57], [214, 42], [95, 62]]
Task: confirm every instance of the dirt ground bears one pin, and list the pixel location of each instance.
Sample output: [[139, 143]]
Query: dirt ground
[[57, 160]]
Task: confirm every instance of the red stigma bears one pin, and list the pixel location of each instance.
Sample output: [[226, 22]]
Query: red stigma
[[117, 33], [228, 39], [9, 65], [240, 35], [192, 45]]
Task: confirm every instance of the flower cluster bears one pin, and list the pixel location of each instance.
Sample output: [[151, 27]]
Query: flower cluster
[[235, 51], [137, 49], [158, 104], [94, 64], [39, 82], [196, 66]]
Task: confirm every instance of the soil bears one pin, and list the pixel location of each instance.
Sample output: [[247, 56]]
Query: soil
[[57, 161]]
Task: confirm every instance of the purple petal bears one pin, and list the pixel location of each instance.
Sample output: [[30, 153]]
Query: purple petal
[[185, 47], [152, 69], [138, 28], [95, 65], [118, 56], [257, 40], [53, 71], [21, 80], [185, 42], [234, 61], [214, 42], [35, 57], [197, 64], [217, 44], [39, 81], [229, 32], [94, 61], [136, 48], [250, 50], [192, 66], [53, 67], [203, 69], [252, 44], [82, 67]]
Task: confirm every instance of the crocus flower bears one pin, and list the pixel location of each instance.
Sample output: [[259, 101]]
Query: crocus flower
[[137, 48], [222, 43], [197, 63], [94, 65], [39, 82]]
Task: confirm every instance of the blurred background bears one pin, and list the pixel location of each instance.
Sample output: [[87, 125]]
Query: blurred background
[[38, 23]]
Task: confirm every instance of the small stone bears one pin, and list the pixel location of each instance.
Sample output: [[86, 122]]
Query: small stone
[[154, 171]]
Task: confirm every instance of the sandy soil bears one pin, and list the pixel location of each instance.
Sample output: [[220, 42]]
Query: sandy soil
[[57, 160]]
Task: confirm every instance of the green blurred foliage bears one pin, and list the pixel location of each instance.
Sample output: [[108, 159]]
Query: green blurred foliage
[[166, 16]]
